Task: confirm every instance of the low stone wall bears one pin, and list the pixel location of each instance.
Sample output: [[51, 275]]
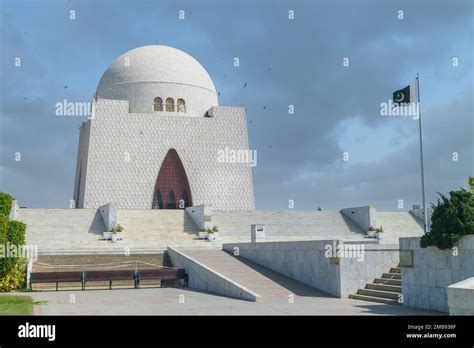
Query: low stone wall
[[109, 215], [461, 298], [364, 217], [427, 273], [201, 215], [315, 263], [204, 278]]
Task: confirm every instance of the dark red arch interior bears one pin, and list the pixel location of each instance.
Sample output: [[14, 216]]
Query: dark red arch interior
[[172, 186]]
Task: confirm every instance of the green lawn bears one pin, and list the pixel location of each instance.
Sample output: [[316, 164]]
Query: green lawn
[[16, 305]]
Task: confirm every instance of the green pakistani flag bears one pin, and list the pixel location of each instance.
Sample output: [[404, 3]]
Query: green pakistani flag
[[406, 95]]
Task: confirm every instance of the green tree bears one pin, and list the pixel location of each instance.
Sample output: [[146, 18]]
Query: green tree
[[452, 218]]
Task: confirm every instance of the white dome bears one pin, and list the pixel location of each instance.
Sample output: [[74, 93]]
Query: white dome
[[147, 72]]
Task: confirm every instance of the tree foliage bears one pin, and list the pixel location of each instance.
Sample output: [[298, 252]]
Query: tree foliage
[[6, 202], [452, 218]]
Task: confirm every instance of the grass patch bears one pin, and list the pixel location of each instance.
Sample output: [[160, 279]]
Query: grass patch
[[16, 305]]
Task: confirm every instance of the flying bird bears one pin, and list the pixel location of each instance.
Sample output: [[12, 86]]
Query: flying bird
[[245, 84], [268, 69], [66, 87], [264, 107], [25, 98]]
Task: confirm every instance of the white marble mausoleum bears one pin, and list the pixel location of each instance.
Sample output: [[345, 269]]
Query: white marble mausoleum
[[154, 135]]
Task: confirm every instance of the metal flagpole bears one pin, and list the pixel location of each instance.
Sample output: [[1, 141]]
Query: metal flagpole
[[425, 215]]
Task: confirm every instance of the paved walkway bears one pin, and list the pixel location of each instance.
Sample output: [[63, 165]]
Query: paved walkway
[[169, 301]]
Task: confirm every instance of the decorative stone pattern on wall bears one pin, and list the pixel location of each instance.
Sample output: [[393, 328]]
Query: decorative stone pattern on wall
[[425, 284], [126, 150]]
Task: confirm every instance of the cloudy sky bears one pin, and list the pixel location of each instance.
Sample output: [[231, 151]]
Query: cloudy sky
[[283, 62]]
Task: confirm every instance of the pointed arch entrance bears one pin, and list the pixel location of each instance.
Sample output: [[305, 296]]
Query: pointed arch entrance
[[172, 187]]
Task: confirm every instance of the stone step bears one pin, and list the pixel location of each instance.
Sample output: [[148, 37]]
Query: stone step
[[378, 293], [396, 282], [392, 276], [81, 230], [384, 287], [285, 223], [373, 299]]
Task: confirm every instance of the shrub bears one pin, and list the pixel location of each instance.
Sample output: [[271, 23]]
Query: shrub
[[6, 265], [16, 233], [5, 203], [452, 218], [3, 228], [14, 279]]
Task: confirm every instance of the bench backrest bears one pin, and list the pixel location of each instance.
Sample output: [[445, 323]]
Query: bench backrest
[[110, 275], [53, 277], [162, 273]]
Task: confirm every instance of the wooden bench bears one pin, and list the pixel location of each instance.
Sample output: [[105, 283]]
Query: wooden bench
[[163, 274], [109, 276], [56, 277]]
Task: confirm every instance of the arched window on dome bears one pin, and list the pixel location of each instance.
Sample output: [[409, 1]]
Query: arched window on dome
[[158, 104], [181, 105], [169, 104]]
